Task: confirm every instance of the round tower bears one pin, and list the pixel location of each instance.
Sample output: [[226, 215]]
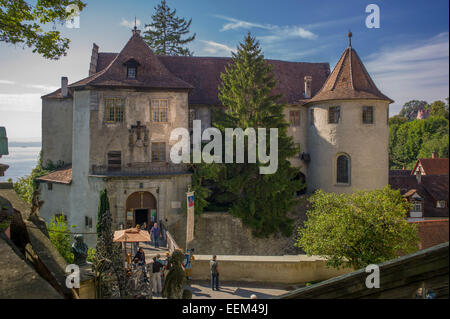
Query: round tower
[[348, 131]]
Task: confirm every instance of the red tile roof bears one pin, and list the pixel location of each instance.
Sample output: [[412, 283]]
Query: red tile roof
[[201, 74], [432, 166], [432, 232], [432, 187], [349, 80], [60, 176]]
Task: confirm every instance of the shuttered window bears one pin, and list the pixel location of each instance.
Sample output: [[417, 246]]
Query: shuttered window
[[294, 118], [158, 152], [114, 161]]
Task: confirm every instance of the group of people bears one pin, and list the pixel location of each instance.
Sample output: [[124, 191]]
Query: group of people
[[159, 268]]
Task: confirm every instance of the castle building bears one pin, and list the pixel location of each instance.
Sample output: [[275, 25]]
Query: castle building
[[112, 130]]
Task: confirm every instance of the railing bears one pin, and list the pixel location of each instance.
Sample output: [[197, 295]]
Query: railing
[[171, 244], [141, 169]]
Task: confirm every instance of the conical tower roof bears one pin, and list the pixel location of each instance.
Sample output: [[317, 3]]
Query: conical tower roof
[[349, 80], [151, 72]]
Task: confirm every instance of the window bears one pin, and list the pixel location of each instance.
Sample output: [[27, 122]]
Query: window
[[311, 116], [131, 72], [367, 115], [132, 67], [158, 152], [49, 186], [343, 169], [114, 110], [294, 118], [114, 161], [160, 110], [441, 204], [334, 114], [88, 221], [417, 207]]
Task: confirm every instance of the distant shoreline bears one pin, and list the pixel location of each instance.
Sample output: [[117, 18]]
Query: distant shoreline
[[24, 144]]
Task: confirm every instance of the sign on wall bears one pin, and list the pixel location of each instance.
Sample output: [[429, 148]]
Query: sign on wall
[[190, 217]]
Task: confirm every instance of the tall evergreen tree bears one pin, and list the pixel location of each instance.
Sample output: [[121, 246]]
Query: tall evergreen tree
[[261, 201], [108, 261], [164, 34]]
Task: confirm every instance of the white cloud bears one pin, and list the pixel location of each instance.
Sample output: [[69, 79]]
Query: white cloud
[[130, 24], [215, 48], [276, 33], [7, 82], [414, 71]]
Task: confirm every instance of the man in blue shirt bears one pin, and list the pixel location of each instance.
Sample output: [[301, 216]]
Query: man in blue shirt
[[155, 234]]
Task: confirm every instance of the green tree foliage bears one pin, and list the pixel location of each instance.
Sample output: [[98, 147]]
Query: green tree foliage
[[411, 108], [108, 261], [22, 22], [59, 232], [26, 186], [415, 139], [366, 227], [439, 108], [165, 33], [261, 201]]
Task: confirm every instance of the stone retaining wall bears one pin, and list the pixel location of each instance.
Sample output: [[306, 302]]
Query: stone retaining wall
[[298, 269]]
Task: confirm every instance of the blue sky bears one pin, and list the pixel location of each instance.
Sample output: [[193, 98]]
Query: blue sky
[[408, 56]]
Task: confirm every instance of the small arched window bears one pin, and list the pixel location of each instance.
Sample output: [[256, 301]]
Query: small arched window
[[343, 169]]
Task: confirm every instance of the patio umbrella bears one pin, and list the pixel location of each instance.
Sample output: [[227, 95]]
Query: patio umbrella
[[131, 235]]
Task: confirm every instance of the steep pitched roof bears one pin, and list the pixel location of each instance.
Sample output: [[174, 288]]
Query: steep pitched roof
[[432, 166], [152, 73], [432, 187], [349, 80]]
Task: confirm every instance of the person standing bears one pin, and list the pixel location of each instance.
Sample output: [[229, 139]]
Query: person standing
[[156, 276], [214, 267], [188, 257], [155, 234]]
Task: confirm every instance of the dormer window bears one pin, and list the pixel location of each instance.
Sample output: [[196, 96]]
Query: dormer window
[[132, 68], [131, 72]]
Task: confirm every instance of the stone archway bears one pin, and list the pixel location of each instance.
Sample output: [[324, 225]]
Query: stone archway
[[140, 207]]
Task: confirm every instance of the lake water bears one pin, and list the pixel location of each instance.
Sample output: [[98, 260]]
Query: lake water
[[21, 161]]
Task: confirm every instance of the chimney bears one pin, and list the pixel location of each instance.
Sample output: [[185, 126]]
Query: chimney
[[64, 90], [308, 80], [418, 177], [94, 59], [434, 155]]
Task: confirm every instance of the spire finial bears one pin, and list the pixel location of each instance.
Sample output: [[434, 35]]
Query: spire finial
[[350, 34], [135, 24]]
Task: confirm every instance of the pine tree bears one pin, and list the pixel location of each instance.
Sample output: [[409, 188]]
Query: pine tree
[[261, 201], [164, 34], [108, 261]]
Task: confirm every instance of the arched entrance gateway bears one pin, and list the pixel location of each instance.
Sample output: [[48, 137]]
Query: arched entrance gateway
[[140, 208]]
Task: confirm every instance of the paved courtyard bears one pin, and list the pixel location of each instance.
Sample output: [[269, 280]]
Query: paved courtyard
[[235, 290]]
